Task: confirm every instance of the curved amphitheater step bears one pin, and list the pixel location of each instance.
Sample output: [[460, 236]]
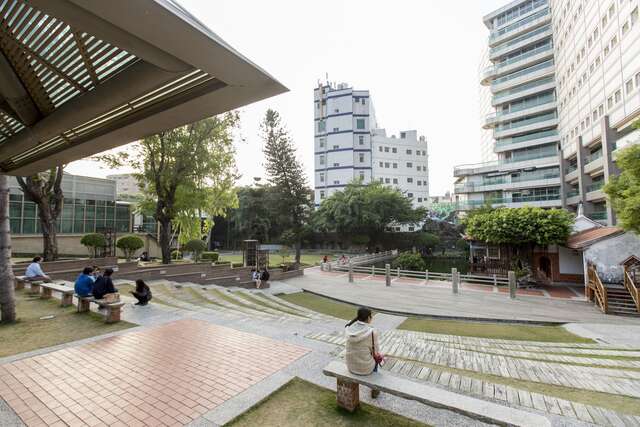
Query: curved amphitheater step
[[247, 302], [281, 304], [439, 359]]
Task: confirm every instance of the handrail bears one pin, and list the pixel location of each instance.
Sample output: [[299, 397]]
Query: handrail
[[595, 284], [631, 287]]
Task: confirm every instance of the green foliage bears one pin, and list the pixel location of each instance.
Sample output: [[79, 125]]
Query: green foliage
[[360, 239], [624, 190], [185, 174], [365, 210], [462, 245], [129, 245], [93, 242], [196, 247], [425, 240], [210, 256], [284, 253], [521, 226], [176, 254], [409, 261], [286, 175]]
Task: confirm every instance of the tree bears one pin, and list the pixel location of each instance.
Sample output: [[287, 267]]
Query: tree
[[624, 190], [365, 210], [426, 241], [287, 176], [409, 261], [93, 242], [196, 247], [185, 174], [45, 190], [7, 293], [521, 228], [129, 245]]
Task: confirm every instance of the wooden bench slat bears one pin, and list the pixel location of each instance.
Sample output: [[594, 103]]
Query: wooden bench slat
[[436, 397]]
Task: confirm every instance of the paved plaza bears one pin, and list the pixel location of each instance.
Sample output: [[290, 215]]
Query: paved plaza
[[203, 355]]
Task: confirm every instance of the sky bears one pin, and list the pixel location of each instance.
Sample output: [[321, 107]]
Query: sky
[[418, 58]]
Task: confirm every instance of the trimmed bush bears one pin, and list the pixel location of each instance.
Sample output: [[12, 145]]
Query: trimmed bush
[[93, 242], [129, 245], [210, 256], [409, 261], [196, 247], [176, 254]]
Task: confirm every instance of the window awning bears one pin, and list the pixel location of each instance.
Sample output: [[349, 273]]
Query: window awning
[[79, 77]]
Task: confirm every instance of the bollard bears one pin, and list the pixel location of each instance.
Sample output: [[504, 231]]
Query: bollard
[[512, 284], [350, 272], [454, 280], [322, 266], [495, 280], [426, 276], [329, 266], [398, 273], [387, 272], [373, 270]]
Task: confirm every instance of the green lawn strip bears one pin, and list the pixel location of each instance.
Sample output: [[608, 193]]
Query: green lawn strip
[[615, 402], [503, 331], [300, 403], [203, 301], [321, 305], [223, 295], [30, 333], [265, 304], [158, 291], [595, 356]]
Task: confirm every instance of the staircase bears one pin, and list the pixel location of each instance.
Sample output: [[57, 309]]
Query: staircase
[[620, 301]]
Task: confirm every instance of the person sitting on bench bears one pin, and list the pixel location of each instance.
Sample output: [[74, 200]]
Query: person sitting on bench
[[142, 292], [34, 271], [103, 285], [362, 352], [84, 282]]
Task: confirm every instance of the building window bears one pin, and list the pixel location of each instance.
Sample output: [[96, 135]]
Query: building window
[[409, 195], [361, 173], [362, 101], [322, 177], [629, 86], [386, 149], [395, 166], [410, 180], [419, 182], [381, 164], [395, 180], [634, 15], [356, 99], [380, 148], [359, 123], [381, 180], [419, 199], [409, 164], [618, 96], [595, 115], [394, 150], [336, 182], [601, 110], [322, 126], [403, 135], [336, 129], [387, 180], [336, 147], [411, 228], [335, 165], [418, 168], [610, 102], [322, 160], [637, 78], [361, 139], [625, 28], [322, 140], [409, 152], [321, 195], [386, 165], [361, 157]]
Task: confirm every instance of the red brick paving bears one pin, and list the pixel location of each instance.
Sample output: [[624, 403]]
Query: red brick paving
[[559, 291], [477, 287], [535, 292], [168, 375]]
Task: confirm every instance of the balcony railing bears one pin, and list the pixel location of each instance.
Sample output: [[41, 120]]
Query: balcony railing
[[594, 156], [595, 186], [526, 122], [513, 199], [523, 138], [509, 28], [522, 88], [598, 216], [536, 177], [525, 55], [523, 72], [505, 46], [573, 193], [493, 163], [571, 168]]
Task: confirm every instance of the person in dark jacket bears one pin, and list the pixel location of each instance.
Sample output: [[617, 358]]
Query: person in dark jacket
[[84, 282], [103, 285], [142, 293]]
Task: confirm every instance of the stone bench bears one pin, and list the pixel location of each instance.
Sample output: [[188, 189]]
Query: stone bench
[[112, 309], [482, 410], [65, 292]]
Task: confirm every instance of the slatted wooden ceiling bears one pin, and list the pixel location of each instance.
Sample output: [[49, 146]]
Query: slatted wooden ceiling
[[54, 61]]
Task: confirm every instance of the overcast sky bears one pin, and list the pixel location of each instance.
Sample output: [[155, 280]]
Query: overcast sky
[[419, 59]]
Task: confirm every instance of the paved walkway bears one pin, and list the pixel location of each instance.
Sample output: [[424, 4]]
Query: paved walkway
[[436, 299]]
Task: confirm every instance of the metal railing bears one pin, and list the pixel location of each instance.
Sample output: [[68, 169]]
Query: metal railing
[[573, 193], [593, 156], [598, 216], [522, 88], [528, 137], [512, 42], [571, 168], [523, 72], [509, 28], [595, 186]]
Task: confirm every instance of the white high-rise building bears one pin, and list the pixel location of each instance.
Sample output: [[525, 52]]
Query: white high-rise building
[[565, 84], [348, 146]]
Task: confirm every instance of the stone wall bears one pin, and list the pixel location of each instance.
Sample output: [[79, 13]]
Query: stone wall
[[607, 255]]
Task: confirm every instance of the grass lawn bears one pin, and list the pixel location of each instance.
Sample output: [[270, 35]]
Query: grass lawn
[[322, 305], [299, 403], [493, 330], [30, 333], [275, 260]]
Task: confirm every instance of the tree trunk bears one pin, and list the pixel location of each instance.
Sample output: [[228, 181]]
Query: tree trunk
[[165, 240], [7, 295], [298, 245], [49, 236]]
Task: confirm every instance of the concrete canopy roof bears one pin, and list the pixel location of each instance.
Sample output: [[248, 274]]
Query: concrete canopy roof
[[78, 77]]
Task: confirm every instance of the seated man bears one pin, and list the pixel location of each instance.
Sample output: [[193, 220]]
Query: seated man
[[103, 285], [34, 271], [84, 282]]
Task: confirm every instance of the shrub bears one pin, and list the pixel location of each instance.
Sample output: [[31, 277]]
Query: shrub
[[210, 256], [176, 254], [129, 245], [409, 261], [93, 242], [196, 247]]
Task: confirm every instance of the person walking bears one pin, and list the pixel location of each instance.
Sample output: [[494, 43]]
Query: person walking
[[34, 271], [362, 350], [142, 293]]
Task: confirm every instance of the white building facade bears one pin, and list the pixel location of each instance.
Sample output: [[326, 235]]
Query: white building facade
[[348, 146]]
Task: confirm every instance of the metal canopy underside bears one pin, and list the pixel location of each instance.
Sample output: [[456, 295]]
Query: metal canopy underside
[[78, 77]]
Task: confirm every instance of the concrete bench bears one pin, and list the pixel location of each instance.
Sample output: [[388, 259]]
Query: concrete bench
[[65, 292], [482, 410], [112, 309]]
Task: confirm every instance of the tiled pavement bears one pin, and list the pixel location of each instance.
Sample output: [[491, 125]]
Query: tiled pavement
[[166, 375]]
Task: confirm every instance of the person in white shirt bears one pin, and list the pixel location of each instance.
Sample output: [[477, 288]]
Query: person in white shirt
[[34, 271]]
